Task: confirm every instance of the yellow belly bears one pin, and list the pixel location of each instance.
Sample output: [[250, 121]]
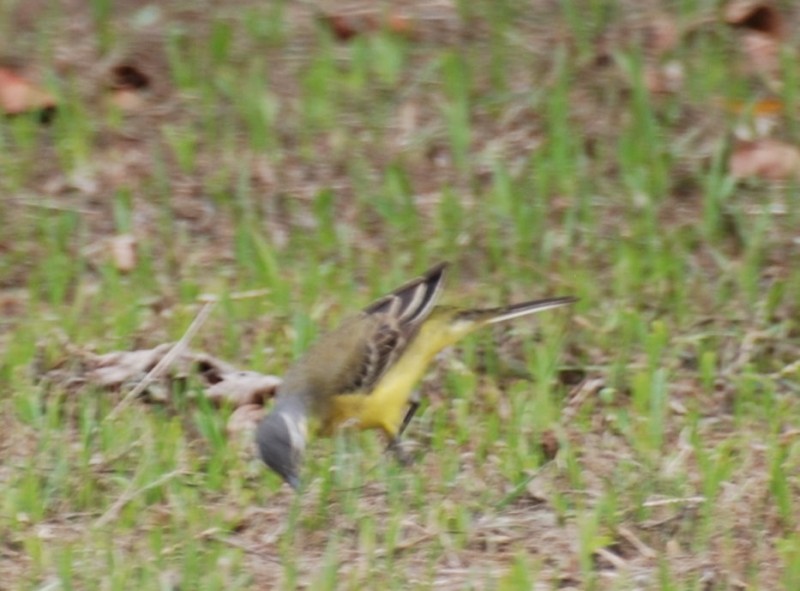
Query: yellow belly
[[385, 407]]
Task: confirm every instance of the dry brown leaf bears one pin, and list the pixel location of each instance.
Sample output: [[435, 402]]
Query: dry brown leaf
[[571, 377], [123, 252], [244, 420], [663, 78], [114, 369], [242, 388], [400, 25], [549, 444], [763, 53], [537, 492], [763, 28], [762, 108], [761, 17], [673, 548], [128, 84], [212, 369], [225, 385], [346, 26], [766, 158], [12, 302], [128, 77], [18, 95], [662, 34], [127, 100]]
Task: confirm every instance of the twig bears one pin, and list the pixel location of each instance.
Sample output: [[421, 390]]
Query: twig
[[405, 545], [113, 511], [176, 351], [786, 370], [615, 561], [636, 542], [675, 501], [56, 207], [235, 296], [579, 395], [244, 547]]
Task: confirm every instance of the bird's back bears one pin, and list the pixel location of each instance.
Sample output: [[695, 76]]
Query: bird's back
[[328, 367], [352, 359]]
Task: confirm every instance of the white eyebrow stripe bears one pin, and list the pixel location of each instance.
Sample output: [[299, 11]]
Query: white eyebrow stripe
[[297, 431]]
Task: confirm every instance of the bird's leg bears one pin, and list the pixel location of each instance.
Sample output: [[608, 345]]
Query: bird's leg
[[413, 406], [400, 454], [395, 443]]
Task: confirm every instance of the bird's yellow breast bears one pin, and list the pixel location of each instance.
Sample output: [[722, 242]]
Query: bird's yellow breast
[[385, 406]]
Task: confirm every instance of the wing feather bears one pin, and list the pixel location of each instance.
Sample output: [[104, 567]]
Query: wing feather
[[396, 318]]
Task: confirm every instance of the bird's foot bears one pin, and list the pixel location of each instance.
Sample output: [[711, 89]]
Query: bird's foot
[[400, 452]]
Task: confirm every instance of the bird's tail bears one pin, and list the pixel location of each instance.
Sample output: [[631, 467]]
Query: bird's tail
[[494, 315]]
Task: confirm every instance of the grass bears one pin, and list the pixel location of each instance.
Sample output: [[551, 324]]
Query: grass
[[521, 144]]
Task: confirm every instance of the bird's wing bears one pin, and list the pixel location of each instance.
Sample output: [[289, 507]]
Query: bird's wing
[[381, 349], [411, 303], [395, 319]]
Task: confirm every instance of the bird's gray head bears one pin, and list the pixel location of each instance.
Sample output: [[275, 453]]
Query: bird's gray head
[[281, 438]]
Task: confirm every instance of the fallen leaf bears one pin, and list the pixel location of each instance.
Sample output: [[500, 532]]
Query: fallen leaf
[[212, 369], [571, 376], [661, 34], [549, 445], [763, 32], [761, 17], [346, 26], [123, 252], [242, 388], [127, 100], [243, 421], [12, 303], [537, 492], [763, 53], [114, 369], [761, 108], [18, 95], [400, 25], [128, 77], [766, 159], [224, 384], [664, 78], [128, 85], [673, 549]]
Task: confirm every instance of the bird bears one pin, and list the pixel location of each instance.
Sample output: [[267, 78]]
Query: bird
[[363, 373]]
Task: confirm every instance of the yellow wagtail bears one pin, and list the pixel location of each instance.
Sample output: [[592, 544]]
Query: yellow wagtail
[[363, 373]]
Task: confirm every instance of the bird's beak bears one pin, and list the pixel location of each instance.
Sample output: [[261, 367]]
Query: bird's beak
[[294, 482]]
